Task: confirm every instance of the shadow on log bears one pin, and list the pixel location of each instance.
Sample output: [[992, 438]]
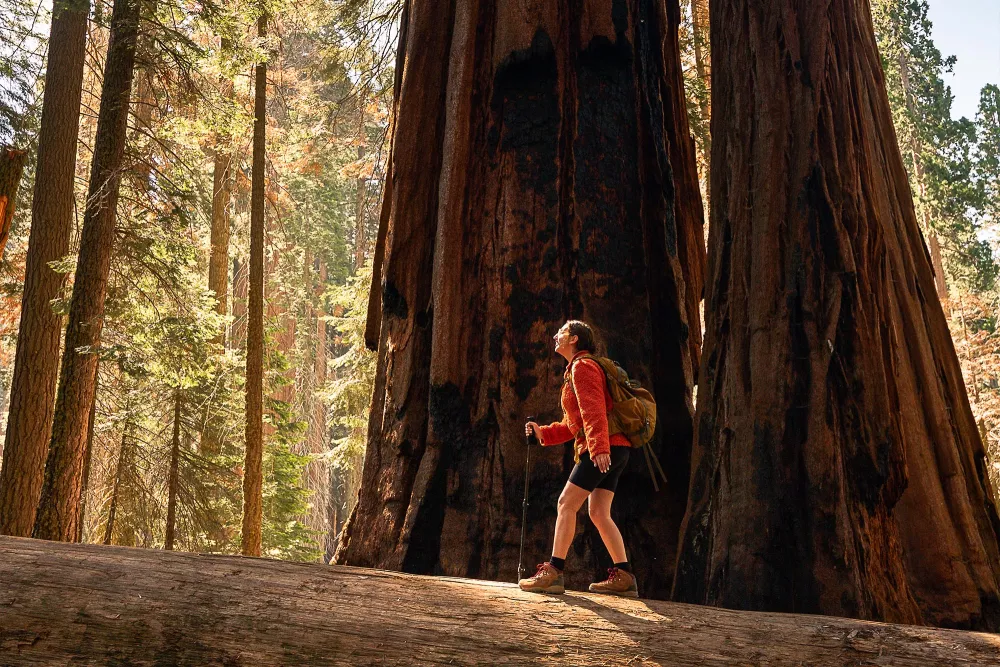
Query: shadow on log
[[93, 605]]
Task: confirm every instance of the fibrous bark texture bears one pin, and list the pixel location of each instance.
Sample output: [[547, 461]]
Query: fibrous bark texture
[[90, 605], [11, 168], [173, 476], [36, 362], [837, 467], [542, 169], [253, 474], [59, 506], [218, 264]]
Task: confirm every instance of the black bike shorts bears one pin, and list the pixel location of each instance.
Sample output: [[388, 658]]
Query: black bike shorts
[[586, 475]]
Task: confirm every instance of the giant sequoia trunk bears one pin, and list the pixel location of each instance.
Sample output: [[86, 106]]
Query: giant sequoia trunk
[[542, 169], [837, 467], [36, 362], [59, 506]]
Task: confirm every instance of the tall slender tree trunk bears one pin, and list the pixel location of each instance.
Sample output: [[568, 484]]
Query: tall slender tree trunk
[[36, 362], [360, 234], [238, 331], [542, 169], [173, 475], [11, 168], [316, 476], [252, 469], [222, 190], [218, 266], [218, 261], [923, 208], [87, 458], [59, 507], [703, 67], [116, 485], [837, 467]]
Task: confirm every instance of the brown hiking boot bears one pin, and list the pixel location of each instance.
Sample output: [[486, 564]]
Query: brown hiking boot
[[546, 580], [619, 582]]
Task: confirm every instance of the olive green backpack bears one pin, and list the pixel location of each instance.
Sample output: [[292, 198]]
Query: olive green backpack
[[633, 412]]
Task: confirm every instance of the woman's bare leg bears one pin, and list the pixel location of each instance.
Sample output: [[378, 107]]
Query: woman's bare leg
[[600, 513], [570, 502]]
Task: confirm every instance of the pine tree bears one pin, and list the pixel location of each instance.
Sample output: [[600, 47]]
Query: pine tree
[[936, 149], [252, 469], [59, 507]]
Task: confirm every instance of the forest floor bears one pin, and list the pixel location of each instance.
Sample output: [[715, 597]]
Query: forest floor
[[93, 605]]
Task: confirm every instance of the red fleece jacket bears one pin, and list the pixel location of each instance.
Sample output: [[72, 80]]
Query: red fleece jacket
[[586, 419]]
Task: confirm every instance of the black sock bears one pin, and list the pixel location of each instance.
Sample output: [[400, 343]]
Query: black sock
[[558, 563], [624, 566]]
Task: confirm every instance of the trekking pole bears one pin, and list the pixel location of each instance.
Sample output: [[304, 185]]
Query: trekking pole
[[529, 439]]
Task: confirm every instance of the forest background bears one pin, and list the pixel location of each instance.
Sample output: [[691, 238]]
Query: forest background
[[166, 448]]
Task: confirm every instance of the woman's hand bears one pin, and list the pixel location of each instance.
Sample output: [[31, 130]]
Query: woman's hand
[[603, 462], [532, 427]]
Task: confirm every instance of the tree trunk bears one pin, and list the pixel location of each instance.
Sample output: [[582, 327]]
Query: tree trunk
[[59, 508], [222, 192], [837, 467], [543, 167], [11, 168], [703, 67], [360, 237], [922, 205], [252, 470], [123, 461], [173, 476], [90, 605], [36, 362], [316, 474], [937, 264], [238, 332], [218, 263], [87, 458]]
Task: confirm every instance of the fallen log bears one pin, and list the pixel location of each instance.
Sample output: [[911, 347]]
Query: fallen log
[[93, 605]]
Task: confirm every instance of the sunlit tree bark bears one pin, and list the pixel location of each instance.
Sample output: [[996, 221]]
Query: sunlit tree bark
[[541, 169], [837, 467]]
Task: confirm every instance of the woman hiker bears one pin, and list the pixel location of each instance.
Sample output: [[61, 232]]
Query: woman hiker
[[600, 461]]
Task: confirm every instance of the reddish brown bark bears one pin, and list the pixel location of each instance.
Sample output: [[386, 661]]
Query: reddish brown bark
[[837, 467], [218, 263], [173, 476], [36, 362], [59, 506], [253, 475], [542, 166], [11, 168]]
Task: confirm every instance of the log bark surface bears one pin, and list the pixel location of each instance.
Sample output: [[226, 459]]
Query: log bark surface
[[93, 605], [541, 170], [837, 467]]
